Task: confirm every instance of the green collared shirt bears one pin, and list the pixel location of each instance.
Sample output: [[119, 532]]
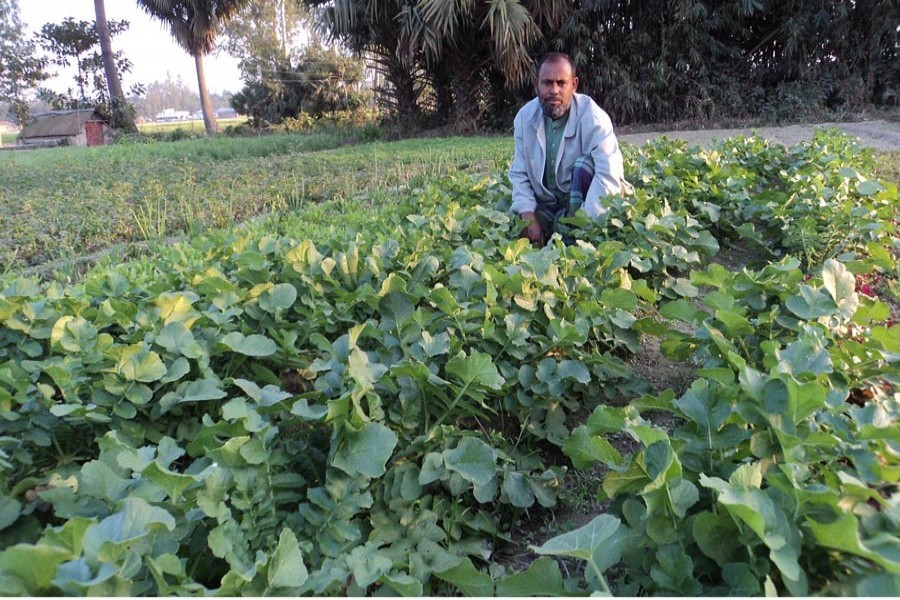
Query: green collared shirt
[[554, 131]]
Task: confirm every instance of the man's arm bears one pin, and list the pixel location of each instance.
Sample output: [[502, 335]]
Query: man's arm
[[609, 169], [523, 198]]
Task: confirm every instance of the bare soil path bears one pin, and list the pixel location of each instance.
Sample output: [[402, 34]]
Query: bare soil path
[[880, 134]]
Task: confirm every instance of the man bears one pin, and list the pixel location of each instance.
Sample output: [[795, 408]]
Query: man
[[566, 154]]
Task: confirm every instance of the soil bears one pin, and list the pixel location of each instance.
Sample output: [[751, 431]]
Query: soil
[[879, 134]]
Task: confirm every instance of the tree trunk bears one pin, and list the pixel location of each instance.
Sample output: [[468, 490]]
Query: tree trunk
[[121, 116], [209, 119]]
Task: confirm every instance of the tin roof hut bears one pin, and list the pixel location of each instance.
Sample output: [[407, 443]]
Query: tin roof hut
[[84, 127]]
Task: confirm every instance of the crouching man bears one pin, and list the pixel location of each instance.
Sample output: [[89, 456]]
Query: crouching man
[[566, 154]]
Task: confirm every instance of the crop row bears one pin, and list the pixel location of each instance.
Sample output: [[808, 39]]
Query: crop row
[[63, 203], [255, 413]]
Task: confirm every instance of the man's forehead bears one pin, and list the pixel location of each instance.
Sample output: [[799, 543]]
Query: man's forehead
[[555, 69]]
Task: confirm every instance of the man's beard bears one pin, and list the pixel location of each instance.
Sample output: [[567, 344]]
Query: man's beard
[[555, 112]]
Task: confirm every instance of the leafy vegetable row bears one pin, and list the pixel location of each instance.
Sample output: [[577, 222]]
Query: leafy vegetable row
[[371, 412]]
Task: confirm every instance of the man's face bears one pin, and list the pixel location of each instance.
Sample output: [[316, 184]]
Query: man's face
[[555, 85]]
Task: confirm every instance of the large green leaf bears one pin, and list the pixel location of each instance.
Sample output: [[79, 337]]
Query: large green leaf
[[109, 539], [250, 345], [811, 304], [599, 543], [34, 566], [844, 534], [474, 460], [476, 369], [287, 569], [365, 452], [841, 285], [541, 578], [585, 449], [468, 580]]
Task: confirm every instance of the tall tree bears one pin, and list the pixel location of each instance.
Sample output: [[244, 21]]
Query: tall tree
[[195, 24], [20, 69], [261, 36], [455, 49], [122, 116], [74, 43]]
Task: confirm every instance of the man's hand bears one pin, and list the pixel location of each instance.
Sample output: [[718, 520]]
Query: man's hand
[[532, 229]]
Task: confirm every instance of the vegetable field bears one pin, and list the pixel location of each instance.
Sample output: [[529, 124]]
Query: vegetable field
[[399, 405]]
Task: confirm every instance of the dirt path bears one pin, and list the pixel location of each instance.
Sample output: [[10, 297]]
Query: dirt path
[[880, 135]]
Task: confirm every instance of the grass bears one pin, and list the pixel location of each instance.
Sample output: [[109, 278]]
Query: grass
[[193, 126], [61, 203]]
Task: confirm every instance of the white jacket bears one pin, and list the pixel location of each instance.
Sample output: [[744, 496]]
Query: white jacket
[[589, 131]]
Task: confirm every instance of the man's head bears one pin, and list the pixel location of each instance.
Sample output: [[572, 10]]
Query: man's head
[[555, 84]]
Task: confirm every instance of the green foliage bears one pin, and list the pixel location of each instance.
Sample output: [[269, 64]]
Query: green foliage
[[76, 44], [254, 412], [148, 191], [20, 69]]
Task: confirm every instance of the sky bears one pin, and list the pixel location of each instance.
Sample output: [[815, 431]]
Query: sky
[[147, 44]]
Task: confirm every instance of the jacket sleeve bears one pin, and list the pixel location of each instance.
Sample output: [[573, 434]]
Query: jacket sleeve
[[523, 197], [609, 169]]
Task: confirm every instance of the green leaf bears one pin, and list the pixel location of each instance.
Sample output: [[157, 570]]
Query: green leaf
[[811, 304], [468, 580], [682, 310], [174, 483], [683, 287], [74, 334], [34, 566], [869, 187], [841, 285], [806, 355], [844, 535], [518, 489], [365, 452], [279, 297], [200, 390], [599, 543], [475, 369], [178, 339], [110, 538], [741, 580], [585, 449], [474, 460], [363, 372], [250, 345], [717, 536], [140, 364], [267, 396], [10, 509], [303, 410], [368, 564], [435, 345], [287, 569], [541, 578]]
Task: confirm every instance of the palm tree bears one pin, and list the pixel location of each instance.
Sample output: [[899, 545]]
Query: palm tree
[[122, 117], [460, 47], [195, 24]]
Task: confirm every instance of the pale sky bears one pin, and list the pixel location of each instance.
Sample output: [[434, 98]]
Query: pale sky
[[147, 44]]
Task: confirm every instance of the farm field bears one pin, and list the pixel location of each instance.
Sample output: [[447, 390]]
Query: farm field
[[148, 192], [374, 388]]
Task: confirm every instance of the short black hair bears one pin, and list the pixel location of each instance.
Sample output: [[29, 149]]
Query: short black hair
[[555, 57]]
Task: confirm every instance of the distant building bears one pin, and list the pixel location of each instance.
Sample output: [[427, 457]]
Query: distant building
[[170, 115], [226, 112], [84, 127], [8, 127]]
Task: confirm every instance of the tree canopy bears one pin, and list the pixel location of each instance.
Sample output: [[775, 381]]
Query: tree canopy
[[465, 62]]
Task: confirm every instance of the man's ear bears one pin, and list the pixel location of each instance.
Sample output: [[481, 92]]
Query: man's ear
[[574, 84]]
